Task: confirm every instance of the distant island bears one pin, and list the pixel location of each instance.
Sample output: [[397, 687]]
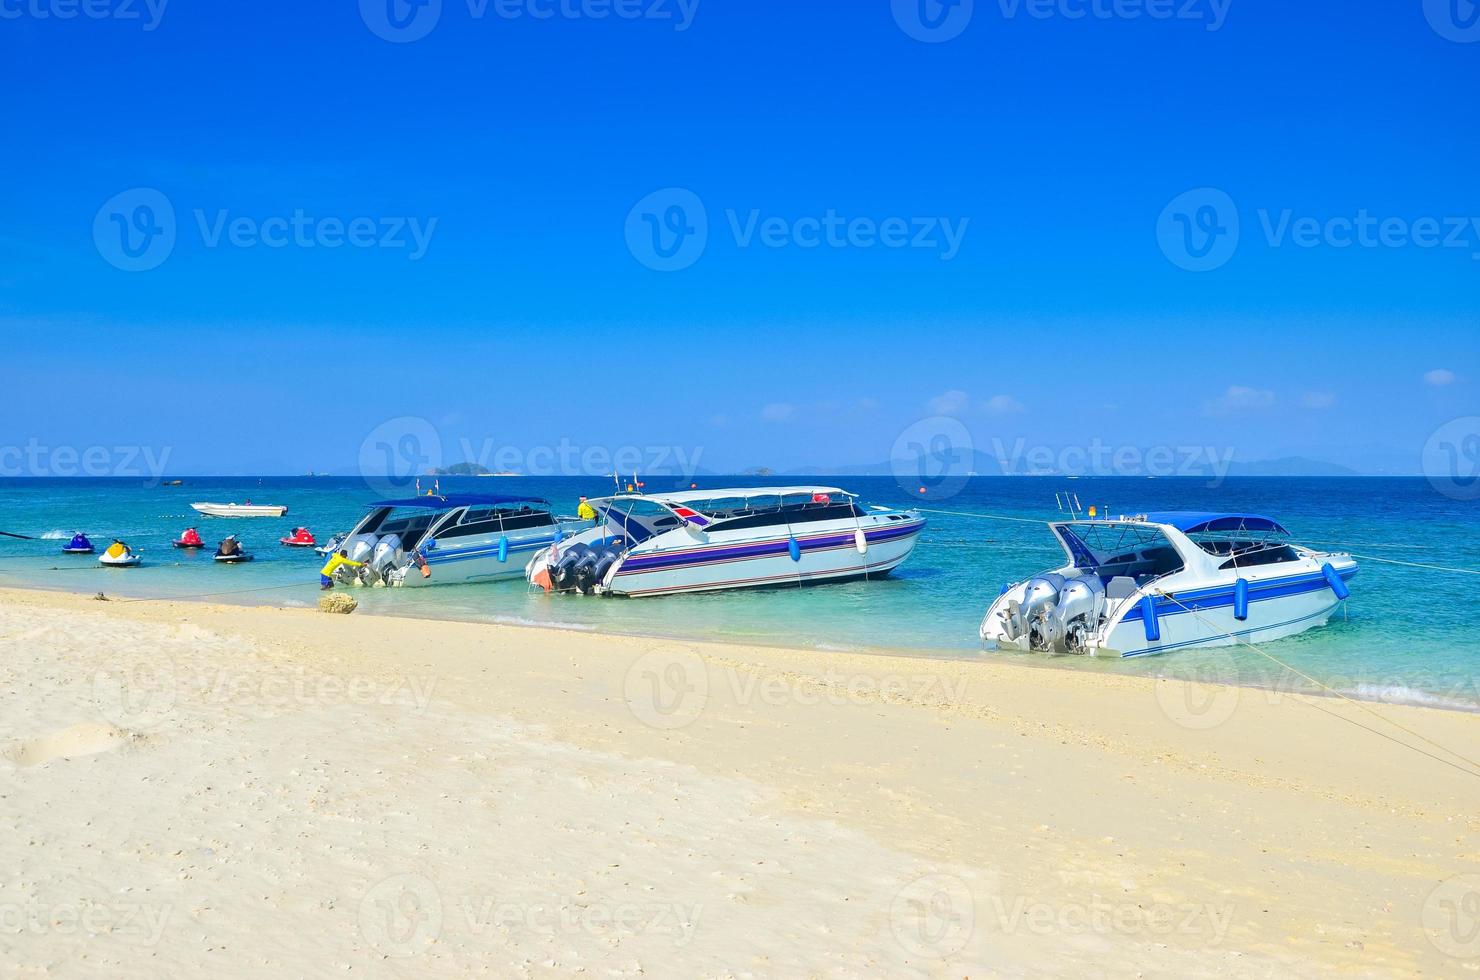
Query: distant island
[[468, 469]]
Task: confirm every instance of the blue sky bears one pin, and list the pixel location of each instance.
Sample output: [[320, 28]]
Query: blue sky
[[1021, 203]]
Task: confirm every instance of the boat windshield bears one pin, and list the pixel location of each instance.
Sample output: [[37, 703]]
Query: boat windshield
[[476, 521], [1114, 549], [1243, 548], [794, 507]]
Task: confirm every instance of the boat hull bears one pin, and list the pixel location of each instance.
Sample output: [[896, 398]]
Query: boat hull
[[478, 561], [1278, 607], [828, 554]]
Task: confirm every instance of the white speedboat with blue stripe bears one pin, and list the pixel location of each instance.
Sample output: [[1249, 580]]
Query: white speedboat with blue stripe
[[1152, 583], [703, 541], [451, 539]]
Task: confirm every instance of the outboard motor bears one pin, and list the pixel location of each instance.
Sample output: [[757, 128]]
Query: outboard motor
[[1080, 606], [360, 547], [388, 554], [563, 575], [605, 559]]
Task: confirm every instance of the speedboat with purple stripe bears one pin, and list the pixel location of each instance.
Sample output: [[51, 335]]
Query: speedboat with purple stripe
[[1151, 583], [702, 541]]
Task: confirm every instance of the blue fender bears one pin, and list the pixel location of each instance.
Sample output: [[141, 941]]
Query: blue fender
[[1333, 579], [1241, 599], [559, 534], [503, 549], [795, 548], [1148, 618]]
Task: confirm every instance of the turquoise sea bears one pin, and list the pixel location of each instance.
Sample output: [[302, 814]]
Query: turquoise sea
[[1409, 634]]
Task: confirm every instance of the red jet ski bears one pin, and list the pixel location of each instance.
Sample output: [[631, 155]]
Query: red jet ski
[[190, 539], [301, 537]]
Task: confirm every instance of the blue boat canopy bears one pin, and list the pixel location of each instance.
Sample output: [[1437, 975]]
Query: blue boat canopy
[[452, 500], [1192, 521]]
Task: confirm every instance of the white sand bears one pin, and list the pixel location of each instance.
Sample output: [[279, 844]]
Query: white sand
[[212, 791]]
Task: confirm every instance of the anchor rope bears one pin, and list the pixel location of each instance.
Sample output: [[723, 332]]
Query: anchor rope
[[1364, 706]]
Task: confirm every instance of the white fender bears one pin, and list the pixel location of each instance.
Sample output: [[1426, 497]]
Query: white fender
[[860, 541]]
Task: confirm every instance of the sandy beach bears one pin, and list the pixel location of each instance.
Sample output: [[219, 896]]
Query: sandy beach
[[195, 790]]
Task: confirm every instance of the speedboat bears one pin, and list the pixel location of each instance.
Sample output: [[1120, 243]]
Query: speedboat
[[301, 537], [79, 545], [451, 539], [331, 546], [1151, 583], [701, 541], [119, 555], [230, 552], [189, 538], [247, 509]]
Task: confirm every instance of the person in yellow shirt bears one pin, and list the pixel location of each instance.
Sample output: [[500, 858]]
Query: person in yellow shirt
[[586, 512], [341, 560]]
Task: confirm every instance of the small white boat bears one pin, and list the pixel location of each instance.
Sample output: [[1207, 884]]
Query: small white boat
[[239, 510], [1152, 583], [119, 555], [702, 541]]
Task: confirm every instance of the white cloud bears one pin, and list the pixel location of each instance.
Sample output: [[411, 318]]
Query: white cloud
[[953, 402], [1318, 399], [1002, 405], [778, 412], [1239, 398], [1439, 377]]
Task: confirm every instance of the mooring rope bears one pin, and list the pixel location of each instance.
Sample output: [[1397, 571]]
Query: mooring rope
[[1474, 771]]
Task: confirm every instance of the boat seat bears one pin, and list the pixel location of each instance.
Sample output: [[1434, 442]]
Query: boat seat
[[1120, 587]]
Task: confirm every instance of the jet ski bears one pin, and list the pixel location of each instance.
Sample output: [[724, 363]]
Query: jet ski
[[301, 537], [79, 545], [190, 539], [331, 546], [119, 555], [230, 551]]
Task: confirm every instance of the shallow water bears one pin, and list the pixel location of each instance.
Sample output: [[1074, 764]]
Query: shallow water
[[1406, 635]]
